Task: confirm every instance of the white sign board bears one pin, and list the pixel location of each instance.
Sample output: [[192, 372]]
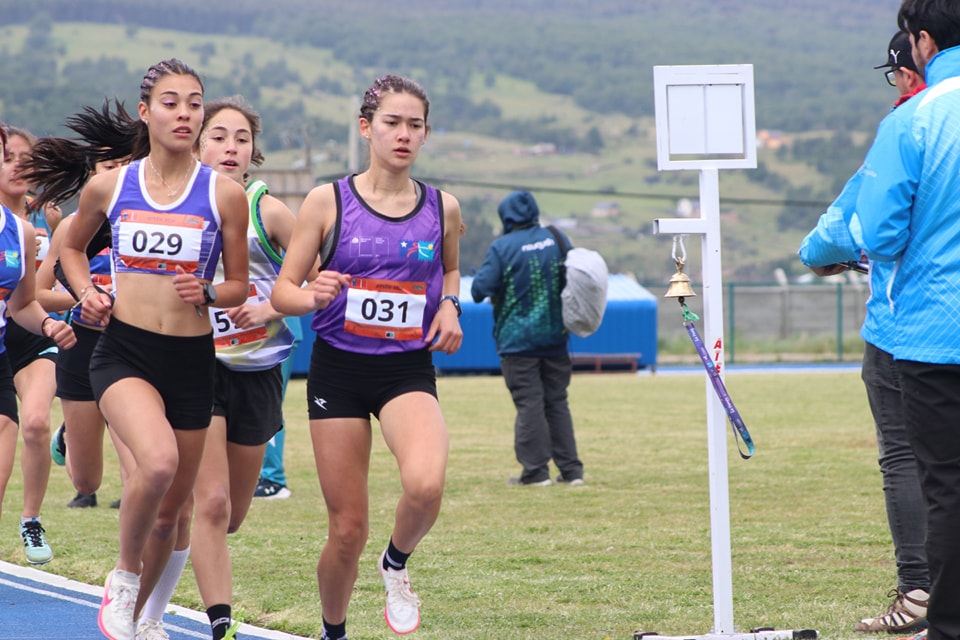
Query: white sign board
[[705, 117]]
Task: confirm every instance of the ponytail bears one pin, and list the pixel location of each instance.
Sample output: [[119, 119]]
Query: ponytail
[[59, 167]]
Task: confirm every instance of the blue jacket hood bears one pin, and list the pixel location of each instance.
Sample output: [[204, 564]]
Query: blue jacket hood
[[518, 209]]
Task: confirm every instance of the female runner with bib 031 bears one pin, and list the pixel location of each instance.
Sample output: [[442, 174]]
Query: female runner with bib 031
[[152, 370], [386, 297]]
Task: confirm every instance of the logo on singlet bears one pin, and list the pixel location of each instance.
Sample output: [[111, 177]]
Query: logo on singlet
[[11, 259], [422, 250]]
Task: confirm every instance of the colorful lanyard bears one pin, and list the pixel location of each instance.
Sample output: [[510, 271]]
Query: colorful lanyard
[[739, 428]]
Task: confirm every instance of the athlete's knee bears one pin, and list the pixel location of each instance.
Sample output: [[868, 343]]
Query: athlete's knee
[[424, 494], [86, 484], [157, 472], [35, 428], [214, 507], [348, 535]]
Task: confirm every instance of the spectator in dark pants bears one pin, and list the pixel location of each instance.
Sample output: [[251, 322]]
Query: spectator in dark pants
[[522, 274], [907, 212], [825, 250]]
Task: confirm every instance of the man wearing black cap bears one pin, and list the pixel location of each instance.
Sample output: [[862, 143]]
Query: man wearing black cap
[[901, 69], [830, 243]]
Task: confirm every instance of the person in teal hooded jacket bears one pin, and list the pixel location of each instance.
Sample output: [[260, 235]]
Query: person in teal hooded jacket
[[522, 274]]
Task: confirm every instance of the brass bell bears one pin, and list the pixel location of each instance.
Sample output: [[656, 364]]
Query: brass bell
[[679, 285]]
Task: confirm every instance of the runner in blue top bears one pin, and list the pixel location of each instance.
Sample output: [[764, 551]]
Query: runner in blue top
[[152, 370], [386, 297], [32, 357], [17, 277]]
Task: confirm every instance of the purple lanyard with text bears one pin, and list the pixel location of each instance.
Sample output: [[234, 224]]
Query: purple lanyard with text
[[735, 420]]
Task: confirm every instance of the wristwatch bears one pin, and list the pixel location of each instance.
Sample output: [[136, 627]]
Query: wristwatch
[[209, 293], [456, 303]]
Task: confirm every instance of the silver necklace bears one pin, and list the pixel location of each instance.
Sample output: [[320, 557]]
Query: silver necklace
[[172, 192]]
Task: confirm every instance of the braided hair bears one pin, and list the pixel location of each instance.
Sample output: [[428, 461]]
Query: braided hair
[[59, 167], [391, 84]]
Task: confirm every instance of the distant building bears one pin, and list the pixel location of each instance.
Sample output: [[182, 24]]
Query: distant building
[[767, 139], [539, 149], [687, 209], [290, 186], [607, 209]]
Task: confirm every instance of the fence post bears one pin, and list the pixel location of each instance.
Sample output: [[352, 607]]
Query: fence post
[[839, 322], [731, 343]]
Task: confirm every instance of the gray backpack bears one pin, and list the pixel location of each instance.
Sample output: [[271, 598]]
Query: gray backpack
[[584, 297]]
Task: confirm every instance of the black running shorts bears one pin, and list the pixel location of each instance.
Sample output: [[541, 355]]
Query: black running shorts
[[342, 384], [180, 368]]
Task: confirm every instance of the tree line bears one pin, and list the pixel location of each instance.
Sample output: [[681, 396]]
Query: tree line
[[811, 64]]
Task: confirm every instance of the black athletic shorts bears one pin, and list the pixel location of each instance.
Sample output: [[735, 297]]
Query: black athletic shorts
[[343, 384], [252, 403], [73, 366], [24, 347], [8, 392], [180, 368]]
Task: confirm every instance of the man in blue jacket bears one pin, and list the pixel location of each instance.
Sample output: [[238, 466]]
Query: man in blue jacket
[[825, 250], [522, 274], [908, 212]]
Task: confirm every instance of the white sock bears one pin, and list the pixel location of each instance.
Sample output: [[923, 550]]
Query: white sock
[[156, 604]]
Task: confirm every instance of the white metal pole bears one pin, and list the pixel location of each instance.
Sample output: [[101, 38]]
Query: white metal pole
[[716, 415]]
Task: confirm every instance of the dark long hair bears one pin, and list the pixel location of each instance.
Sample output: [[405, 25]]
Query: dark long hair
[[59, 167]]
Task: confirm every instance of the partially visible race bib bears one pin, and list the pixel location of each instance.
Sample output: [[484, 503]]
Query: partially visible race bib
[[227, 334]]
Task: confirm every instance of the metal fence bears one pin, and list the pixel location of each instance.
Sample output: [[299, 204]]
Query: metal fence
[[768, 313]]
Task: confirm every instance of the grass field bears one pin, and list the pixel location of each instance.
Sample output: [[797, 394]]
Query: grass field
[[630, 550]]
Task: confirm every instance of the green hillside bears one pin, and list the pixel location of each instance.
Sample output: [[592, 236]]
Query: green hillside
[[502, 80]]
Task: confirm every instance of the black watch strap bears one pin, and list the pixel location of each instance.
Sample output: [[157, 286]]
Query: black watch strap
[[209, 293], [456, 303]]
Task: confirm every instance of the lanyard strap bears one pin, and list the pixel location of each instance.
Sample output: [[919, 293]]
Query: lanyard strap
[[739, 428]]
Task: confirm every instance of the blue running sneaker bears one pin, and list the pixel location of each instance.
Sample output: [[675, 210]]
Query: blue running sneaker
[[58, 447]]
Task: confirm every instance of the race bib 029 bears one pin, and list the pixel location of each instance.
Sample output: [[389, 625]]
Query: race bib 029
[[159, 242]]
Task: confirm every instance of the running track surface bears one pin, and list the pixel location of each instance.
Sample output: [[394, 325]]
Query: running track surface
[[36, 605]]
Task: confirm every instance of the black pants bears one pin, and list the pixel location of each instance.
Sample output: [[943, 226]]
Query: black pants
[[931, 407], [544, 427]]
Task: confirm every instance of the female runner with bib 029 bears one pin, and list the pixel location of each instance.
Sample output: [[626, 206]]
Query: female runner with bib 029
[[152, 370], [386, 297], [251, 341]]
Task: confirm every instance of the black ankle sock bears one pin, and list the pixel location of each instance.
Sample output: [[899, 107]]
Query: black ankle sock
[[219, 615], [334, 631], [394, 558]]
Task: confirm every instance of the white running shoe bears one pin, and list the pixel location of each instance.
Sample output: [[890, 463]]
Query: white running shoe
[[116, 610], [402, 611], [150, 629]]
